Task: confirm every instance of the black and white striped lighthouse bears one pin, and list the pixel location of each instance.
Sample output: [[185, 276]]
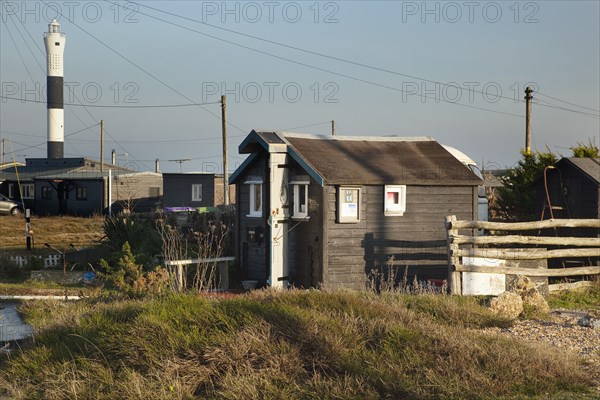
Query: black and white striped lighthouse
[[55, 46]]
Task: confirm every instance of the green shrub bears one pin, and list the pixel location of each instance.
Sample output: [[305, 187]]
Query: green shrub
[[138, 231], [9, 269], [130, 278]]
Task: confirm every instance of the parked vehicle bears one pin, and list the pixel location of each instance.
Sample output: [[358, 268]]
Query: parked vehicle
[[7, 206]]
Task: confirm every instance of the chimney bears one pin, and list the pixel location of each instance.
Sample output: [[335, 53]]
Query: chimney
[[113, 157], [157, 165]]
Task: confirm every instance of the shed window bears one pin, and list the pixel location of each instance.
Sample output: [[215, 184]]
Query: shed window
[[197, 192], [348, 205], [81, 193], [300, 201], [255, 193], [300, 198], [395, 200], [46, 192]]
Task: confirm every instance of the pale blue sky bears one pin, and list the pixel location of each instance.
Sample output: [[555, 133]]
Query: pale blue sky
[[494, 46]]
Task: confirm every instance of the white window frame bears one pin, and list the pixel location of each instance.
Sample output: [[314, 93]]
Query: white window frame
[[349, 212], [253, 183], [394, 200], [298, 213], [196, 192], [28, 190]]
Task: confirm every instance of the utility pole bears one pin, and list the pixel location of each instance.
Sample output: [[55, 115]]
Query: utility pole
[[101, 145], [224, 129], [2, 151], [332, 127], [528, 98]]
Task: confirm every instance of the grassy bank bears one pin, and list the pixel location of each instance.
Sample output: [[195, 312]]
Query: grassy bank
[[292, 345], [57, 231]]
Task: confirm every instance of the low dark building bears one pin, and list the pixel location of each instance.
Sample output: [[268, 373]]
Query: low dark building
[[194, 189], [78, 186], [330, 210]]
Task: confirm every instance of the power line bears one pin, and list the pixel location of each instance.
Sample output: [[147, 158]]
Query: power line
[[75, 96], [315, 67], [142, 69], [566, 102], [569, 110], [41, 144], [35, 59], [19, 52], [114, 106], [158, 141], [328, 56], [17, 49], [307, 126], [288, 46]]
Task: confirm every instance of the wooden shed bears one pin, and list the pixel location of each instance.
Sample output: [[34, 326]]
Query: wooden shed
[[571, 187], [316, 210]]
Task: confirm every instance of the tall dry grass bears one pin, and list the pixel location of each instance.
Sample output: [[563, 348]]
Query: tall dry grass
[[281, 345], [56, 231]]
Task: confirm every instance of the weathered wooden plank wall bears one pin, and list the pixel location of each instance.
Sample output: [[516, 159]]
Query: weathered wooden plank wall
[[416, 239]]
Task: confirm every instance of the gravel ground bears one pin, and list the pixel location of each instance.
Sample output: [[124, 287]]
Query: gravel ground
[[561, 330]]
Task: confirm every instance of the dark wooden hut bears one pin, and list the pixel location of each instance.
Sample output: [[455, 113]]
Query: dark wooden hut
[[571, 188], [329, 211]]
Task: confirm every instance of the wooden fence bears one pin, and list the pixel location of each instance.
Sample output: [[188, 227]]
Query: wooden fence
[[469, 246]]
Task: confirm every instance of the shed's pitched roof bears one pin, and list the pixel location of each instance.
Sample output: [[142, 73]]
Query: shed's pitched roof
[[350, 160], [589, 166]]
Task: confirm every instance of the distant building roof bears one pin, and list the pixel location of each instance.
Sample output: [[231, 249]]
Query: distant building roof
[[370, 160], [77, 167]]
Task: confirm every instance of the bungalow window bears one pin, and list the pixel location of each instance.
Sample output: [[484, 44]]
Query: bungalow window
[[255, 193], [300, 186], [46, 192], [348, 205], [196, 192], [11, 190], [395, 200], [28, 190], [81, 193]]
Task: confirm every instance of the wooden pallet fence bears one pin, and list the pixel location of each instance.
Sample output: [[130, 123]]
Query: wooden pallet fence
[[467, 245]]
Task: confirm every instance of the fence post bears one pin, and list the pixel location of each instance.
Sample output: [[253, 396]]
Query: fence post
[[454, 283]]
